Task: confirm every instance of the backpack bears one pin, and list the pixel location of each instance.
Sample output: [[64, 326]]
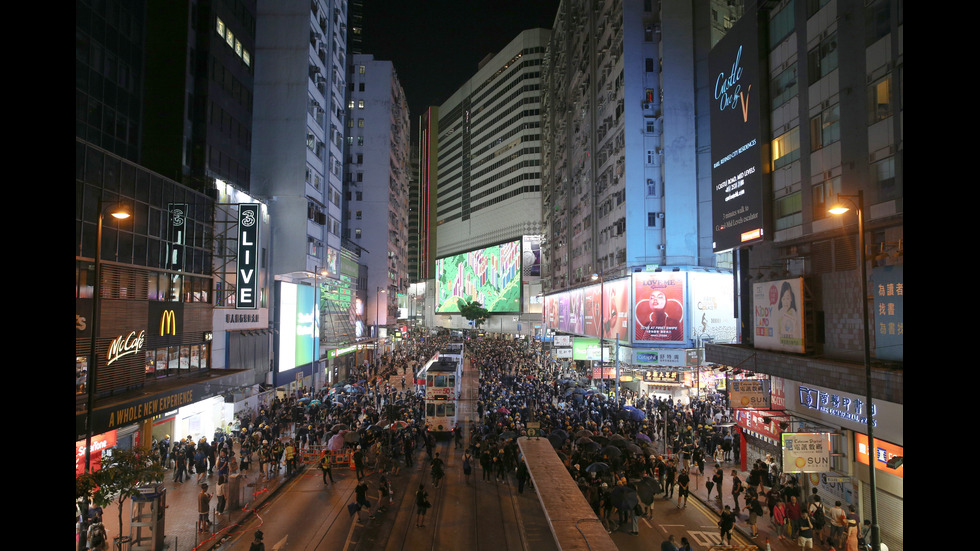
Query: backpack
[[98, 536], [819, 518]]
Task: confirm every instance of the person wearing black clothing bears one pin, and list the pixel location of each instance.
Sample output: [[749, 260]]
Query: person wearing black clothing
[[727, 524]]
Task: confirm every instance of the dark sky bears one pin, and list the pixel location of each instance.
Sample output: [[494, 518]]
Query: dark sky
[[435, 45]]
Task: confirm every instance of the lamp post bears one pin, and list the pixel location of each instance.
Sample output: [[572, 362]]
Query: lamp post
[[377, 318], [317, 271], [602, 322], [119, 211], [841, 209]]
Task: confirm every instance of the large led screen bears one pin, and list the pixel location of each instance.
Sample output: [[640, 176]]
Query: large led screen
[[296, 325], [738, 150], [491, 276], [658, 306]]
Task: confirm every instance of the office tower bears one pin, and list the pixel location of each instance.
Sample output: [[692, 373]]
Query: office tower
[[377, 215]]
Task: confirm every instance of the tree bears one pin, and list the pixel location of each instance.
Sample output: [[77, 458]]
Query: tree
[[120, 478], [473, 311]]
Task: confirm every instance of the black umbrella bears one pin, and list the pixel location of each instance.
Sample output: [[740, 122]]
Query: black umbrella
[[623, 498], [556, 440], [583, 432], [583, 441], [611, 452], [597, 467], [648, 487], [589, 447]]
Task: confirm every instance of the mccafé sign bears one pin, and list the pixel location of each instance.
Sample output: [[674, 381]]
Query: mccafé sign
[[124, 345]]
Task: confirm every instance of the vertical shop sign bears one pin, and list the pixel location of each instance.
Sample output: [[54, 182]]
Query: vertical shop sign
[[248, 248], [176, 235]]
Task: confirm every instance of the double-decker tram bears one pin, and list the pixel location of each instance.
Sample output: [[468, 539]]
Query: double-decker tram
[[443, 383]]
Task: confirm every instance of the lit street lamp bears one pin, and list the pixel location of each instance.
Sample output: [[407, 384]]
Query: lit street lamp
[[841, 209], [119, 211]]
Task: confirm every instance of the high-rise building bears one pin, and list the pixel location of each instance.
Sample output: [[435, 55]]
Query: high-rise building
[[377, 206], [297, 151], [198, 114], [145, 325], [624, 182], [489, 146], [808, 113], [488, 155], [109, 68]]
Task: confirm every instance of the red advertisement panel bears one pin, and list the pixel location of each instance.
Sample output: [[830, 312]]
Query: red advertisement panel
[[658, 307], [615, 309]]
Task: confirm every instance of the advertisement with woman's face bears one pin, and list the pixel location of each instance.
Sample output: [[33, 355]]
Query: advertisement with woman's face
[[778, 315], [658, 307], [615, 309]]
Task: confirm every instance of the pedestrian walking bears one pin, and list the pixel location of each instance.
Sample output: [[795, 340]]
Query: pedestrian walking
[[727, 523], [326, 467], [467, 465], [437, 471], [421, 505]]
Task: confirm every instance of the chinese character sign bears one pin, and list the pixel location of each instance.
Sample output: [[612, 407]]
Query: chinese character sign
[[805, 452], [888, 292]]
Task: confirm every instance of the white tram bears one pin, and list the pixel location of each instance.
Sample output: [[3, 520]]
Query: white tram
[[443, 384]]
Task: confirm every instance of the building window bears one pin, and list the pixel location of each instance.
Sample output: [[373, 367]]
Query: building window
[[357, 233], [220, 27], [230, 38], [357, 215], [359, 195], [786, 148], [361, 69], [360, 104], [246, 58], [360, 141], [652, 218], [879, 100], [648, 62], [884, 174], [360, 123], [824, 196], [782, 24], [784, 86], [825, 128], [350, 104], [789, 211], [823, 59]]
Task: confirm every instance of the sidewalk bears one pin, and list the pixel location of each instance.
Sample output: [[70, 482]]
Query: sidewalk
[[180, 521], [767, 532]]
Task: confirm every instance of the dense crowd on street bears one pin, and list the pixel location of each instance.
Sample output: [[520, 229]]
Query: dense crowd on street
[[626, 455]]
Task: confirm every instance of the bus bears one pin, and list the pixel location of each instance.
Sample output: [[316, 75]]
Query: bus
[[443, 384]]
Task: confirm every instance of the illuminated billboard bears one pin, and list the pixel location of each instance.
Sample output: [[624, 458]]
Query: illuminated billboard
[[616, 309], [712, 307], [491, 276], [658, 306], [777, 315], [296, 325], [739, 152]]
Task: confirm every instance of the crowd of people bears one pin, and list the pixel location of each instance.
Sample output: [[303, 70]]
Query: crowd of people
[[640, 446]]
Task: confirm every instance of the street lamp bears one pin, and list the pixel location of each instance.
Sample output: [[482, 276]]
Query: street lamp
[[119, 211], [839, 209], [317, 271], [377, 317], [602, 324]]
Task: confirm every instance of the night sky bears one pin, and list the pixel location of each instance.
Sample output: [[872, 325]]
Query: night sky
[[435, 45]]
